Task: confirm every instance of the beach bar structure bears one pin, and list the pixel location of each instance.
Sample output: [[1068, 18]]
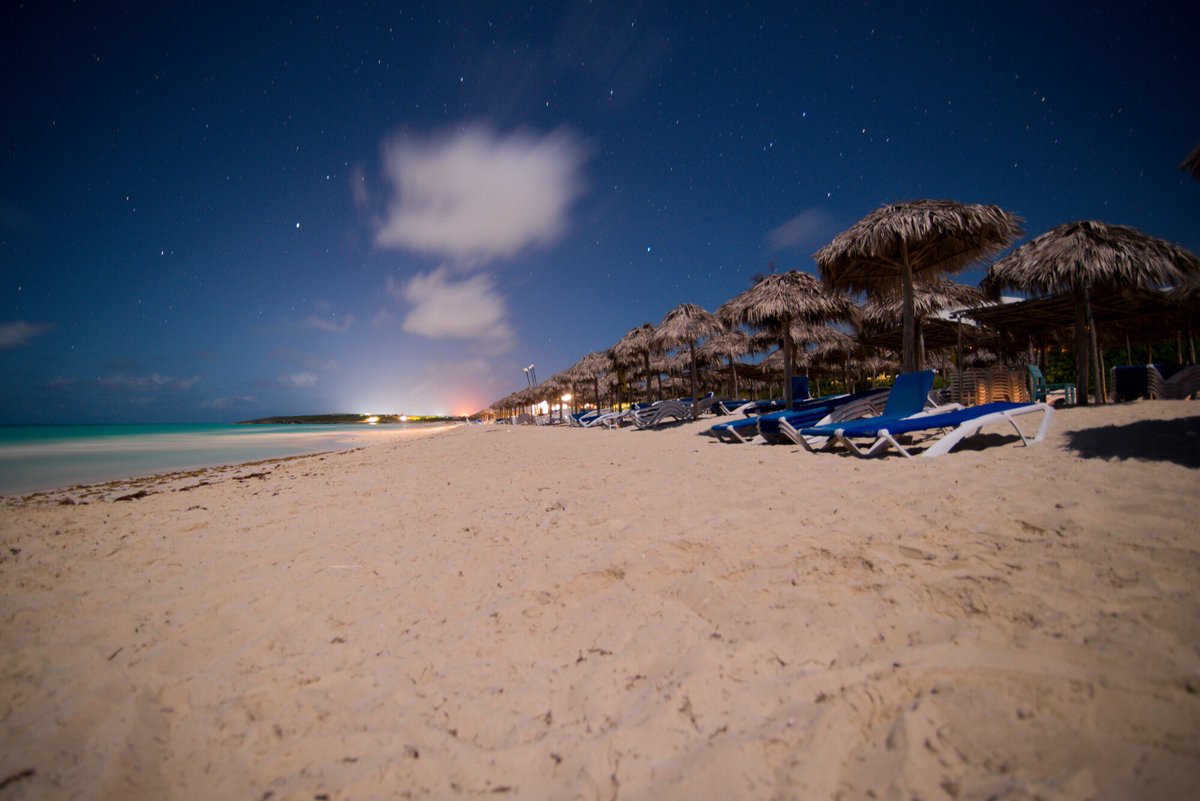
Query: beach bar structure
[[1130, 318]]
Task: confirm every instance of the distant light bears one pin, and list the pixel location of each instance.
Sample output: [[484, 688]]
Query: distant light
[[297, 226], [647, 248], [566, 397], [404, 418], [372, 420]]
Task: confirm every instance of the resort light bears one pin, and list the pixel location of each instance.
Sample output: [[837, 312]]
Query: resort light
[[566, 398]]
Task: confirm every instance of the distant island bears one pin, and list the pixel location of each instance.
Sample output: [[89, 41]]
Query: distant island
[[343, 419]]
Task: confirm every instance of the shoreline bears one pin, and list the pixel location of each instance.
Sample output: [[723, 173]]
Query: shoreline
[[544, 612], [320, 441]]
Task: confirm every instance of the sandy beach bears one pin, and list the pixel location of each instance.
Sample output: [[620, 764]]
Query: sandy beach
[[552, 613]]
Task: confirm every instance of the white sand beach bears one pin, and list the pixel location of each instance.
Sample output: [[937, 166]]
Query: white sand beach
[[541, 613]]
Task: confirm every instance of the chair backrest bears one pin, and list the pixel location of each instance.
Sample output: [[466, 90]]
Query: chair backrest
[[1035, 373], [909, 394], [800, 388]]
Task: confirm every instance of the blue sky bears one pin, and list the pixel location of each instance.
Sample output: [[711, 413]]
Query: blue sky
[[211, 212]]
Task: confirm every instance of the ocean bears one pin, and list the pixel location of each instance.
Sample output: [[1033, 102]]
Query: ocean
[[35, 458]]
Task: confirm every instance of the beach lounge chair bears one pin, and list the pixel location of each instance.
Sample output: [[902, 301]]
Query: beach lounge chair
[[908, 396], [806, 412], [660, 413], [949, 428], [1042, 390], [709, 404], [822, 410], [1183, 384]]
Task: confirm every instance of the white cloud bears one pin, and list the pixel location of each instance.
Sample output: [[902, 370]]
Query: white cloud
[[383, 316], [306, 360], [299, 380], [809, 227], [469, 308], [20, 333], [147, 383], [474, 196], [332, 324], [227, 401], [358, 189]]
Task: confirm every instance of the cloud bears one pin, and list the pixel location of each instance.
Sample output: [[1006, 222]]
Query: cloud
[[383, 316], [469, 308], [306, 360], [227, 401], [332, 324], [299, 380], [809, 227], [147, 383], [474, 196], [20, 333], [358, 189]]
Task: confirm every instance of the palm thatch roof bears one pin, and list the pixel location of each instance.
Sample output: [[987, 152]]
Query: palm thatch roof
[[685, 325], [781, 298], [630, 349], [883, 251], [1091, 254], [778, 301], [634, 349], [930, 296], [932, 236], [1192, 163], [1080, 258]]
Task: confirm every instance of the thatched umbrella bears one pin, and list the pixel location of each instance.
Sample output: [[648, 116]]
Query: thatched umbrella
[[885, 311], [1079, 257], [590, 368], [778, 301], [729, 344], [685, 324], [884, 251], [634, 348], [1192, 163]]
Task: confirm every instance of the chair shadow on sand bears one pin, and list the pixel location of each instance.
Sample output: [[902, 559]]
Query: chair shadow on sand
[[1175, 441]]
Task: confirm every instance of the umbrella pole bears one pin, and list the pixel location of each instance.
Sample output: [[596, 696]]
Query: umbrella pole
[[1128, 351], [959, 365], [908, 355], [649, 390], [787, 364], [1081, 350], [692, 353], [1101, 388], [920, 335]]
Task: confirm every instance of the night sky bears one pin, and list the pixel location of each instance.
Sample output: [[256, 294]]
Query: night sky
[[223, 211]]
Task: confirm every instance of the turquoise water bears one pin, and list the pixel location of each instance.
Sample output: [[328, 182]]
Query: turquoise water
[[34, 458]]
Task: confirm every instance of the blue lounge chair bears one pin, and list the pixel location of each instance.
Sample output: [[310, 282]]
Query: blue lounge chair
[[953, 427], [909, 394], [745, 429], [834, 407]]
